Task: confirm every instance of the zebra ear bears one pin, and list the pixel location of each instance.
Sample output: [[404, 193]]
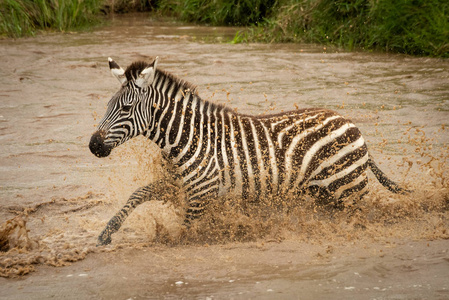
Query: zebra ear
[[118, 72], [146, 77]]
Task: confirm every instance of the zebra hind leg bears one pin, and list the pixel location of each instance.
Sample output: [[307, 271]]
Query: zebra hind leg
[[354, 191], [349, 195], [159, 190], [343, 201], [322, 195], [342, 195]]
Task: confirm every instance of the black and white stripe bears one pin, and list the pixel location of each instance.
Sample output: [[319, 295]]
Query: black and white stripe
[[215, 151]]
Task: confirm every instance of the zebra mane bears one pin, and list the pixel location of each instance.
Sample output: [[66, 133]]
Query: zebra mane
[[181, 83], [189, 87], [134, 70]]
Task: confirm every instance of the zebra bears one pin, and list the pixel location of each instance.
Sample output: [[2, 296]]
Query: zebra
[[210, 150]]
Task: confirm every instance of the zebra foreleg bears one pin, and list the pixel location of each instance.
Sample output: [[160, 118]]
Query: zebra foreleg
[[195, 211], [160, 190], [198, 203]]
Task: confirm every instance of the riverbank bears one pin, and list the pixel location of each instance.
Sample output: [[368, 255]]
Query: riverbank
[[19, 18], [410, 27], [419, 28]]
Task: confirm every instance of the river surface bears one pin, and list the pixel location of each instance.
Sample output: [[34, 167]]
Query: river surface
[[57, 196]]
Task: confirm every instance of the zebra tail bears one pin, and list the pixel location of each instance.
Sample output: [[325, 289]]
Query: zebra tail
[[384, 180]]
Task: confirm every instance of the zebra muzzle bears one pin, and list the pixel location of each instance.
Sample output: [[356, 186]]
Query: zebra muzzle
[[97, 145]]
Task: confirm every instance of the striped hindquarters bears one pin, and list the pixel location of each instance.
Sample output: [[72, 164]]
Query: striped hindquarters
[[319, 149], [278, 154]]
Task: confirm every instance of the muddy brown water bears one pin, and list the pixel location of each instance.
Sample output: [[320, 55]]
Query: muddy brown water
[[57, 196]]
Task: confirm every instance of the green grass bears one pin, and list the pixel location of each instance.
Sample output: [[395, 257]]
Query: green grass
[[417, 27], [218, 12], [24, 17]]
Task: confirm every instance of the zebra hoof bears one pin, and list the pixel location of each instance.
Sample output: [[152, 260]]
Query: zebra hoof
[[103, 241]]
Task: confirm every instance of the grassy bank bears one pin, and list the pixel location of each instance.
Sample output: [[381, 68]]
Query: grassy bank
[[417, 27], [219, 12], [24, 17]]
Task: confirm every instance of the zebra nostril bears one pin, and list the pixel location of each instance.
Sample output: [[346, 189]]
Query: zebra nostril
[[97, 146]]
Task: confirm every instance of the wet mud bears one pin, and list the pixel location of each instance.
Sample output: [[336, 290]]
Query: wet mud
[[56, 197]]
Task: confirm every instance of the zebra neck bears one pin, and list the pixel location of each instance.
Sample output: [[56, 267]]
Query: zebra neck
[[173, 111], [180, 118]]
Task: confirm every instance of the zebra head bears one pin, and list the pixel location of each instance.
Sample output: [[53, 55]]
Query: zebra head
[[126, 111]]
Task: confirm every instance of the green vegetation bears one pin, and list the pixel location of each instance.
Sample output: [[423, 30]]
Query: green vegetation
[[417, 27], [218, 12], [23, 17], [127, 6]]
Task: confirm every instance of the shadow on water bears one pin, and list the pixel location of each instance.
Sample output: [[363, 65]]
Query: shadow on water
[[58, 196]]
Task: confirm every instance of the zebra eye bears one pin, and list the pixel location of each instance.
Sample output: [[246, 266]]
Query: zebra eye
[[126, 108]]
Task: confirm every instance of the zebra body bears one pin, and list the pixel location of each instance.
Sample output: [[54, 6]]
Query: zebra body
[[214, 151]]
